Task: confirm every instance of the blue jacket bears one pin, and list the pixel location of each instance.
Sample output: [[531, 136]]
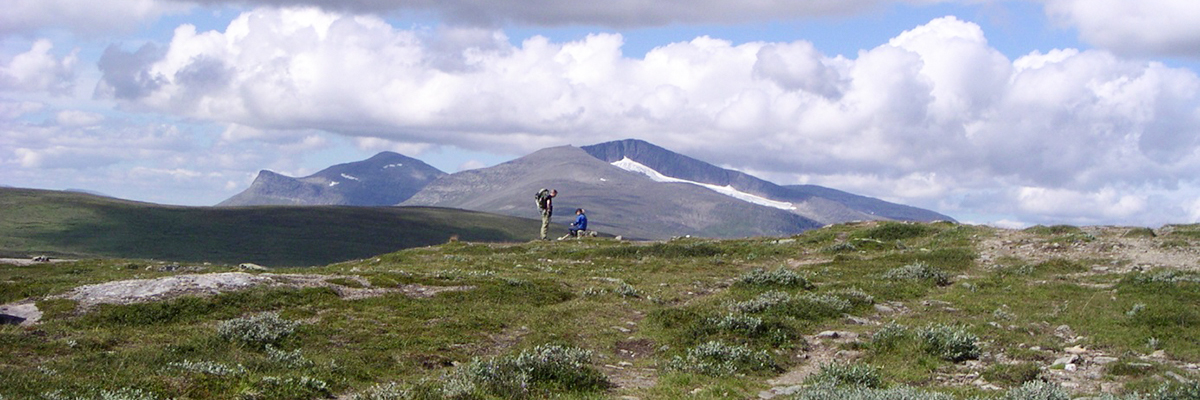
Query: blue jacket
[[580, 222]]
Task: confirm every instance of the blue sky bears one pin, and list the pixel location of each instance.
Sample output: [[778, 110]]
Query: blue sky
[[1003, 112]]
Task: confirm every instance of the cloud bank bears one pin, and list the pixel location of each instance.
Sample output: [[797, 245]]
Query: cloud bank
[[934, 117]]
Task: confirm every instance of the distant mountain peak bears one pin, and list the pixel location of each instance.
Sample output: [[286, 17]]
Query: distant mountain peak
[[387, 178]]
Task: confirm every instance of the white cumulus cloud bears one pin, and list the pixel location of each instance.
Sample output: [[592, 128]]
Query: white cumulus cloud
[[39, 70], [84, 17], [935, 116], [1134, 27]]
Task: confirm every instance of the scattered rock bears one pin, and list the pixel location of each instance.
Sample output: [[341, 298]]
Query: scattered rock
[[883, 309], [1075, 350], [1070, 367], [1158, 354], [1070, 359], [1104, 360], [829, 334], [850, 319], [252, 267]]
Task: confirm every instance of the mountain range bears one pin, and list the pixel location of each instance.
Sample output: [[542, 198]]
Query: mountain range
[[629, 187]]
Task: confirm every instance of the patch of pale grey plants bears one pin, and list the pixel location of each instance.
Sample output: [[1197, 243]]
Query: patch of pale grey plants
[[257, 330], [715, 358], [949, 342], [918, 272], [781, 276], [823, 303], [846, 374], [514, 376], [208, 368]]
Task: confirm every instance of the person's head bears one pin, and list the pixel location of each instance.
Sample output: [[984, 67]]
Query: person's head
[[553, 192], [578, 211]]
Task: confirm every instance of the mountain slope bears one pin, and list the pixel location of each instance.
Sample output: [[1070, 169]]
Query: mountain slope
[[34, 222], [618, 201], [814, 202], [384, 179]]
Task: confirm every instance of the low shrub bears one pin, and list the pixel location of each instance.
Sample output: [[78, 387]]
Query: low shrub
[[257, 330], [737, 323], [1036, 390], [890, 336], [517, 376], [844, 247], [208, 368], [719, 359], [1053, 230], [893, 231], [289, 359], [846, 374], [952, 343], [780, 277], [855, 296], [384, 391], [1139, 233], [830, 392], [304, 387], [806, 306], [918, 272]]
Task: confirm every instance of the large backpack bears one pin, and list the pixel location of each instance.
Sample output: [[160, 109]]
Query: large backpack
[[542, 197]]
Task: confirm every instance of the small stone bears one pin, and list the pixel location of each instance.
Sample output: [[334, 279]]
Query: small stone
[[1036, 348], [1075, 350], [1070, 367], [882, 309], [1158, 354], [850, 319], [622, 329], [252, 267], [829, 334], [1070, 359], [1104, 360]]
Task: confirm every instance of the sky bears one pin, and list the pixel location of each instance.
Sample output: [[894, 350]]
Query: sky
[[1008, 113]]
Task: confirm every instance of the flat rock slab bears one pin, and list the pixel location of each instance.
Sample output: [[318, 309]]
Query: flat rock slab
[[143, 290], [146, 290], [23, 313]]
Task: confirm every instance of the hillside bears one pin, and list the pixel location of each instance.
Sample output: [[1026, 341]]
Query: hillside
[[821, 204], [385, 179], [876, 310], [618, 202], [36, 222]]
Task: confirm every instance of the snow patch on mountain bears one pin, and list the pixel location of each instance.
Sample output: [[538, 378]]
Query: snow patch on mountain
[[334, 183], [634, 166], [393, 165], [350, 177]]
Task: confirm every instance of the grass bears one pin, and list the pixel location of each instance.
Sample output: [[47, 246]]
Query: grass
[[576, 319]]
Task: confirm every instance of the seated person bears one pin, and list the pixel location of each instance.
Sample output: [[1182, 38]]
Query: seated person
[[580, 223]]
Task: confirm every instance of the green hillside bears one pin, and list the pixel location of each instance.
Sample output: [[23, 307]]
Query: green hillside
[[65, 224], [871, 311]]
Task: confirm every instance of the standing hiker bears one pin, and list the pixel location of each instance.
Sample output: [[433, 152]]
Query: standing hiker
[[545, 203]]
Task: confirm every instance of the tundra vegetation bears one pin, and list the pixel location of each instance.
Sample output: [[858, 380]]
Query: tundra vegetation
[[855, 311]]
